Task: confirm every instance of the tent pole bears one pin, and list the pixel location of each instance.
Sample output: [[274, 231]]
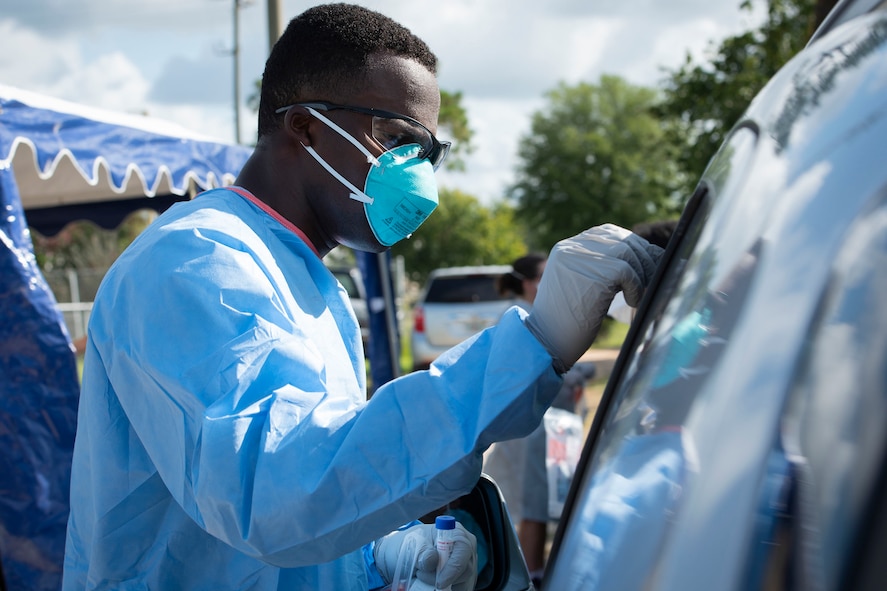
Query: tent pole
[[273, 23], [236, 53]]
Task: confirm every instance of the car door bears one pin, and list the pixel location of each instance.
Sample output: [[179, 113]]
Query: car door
[[641, 453], [733, 448]]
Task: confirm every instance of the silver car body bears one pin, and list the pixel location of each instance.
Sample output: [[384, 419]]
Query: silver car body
[[740, 443], [455, 303], [352, 280]]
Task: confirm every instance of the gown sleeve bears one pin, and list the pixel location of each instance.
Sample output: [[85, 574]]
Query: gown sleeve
[[227, 373]]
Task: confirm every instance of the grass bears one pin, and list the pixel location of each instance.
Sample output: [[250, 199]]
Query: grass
[[611, 335]]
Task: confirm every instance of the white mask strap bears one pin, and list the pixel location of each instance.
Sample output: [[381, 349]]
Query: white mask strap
[[356, 193], [370, 158]]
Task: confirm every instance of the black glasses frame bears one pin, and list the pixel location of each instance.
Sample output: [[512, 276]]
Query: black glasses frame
[[436, 154]]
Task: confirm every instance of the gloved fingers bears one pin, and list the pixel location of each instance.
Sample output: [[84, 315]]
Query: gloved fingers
[[394, 552], [467, 585], [426, 565], [647, 256], [461, 567], [614, 258], [598, 239], [643, 259], [582, 276]]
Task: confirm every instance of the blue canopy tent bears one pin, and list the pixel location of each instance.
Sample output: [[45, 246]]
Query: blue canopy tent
[[61, 162]]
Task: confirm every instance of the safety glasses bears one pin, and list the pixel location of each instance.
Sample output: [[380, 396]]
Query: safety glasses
[[392, 130]]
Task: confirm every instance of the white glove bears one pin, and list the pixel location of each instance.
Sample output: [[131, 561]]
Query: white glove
[[460, 570], [582, 275]]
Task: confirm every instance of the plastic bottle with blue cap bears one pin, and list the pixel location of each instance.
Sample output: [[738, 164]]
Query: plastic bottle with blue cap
[[444, 528]]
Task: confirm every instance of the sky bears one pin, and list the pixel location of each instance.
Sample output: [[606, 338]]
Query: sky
[[174, 59]]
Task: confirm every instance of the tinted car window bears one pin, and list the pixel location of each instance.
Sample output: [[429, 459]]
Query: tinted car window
[[462, 289], [641, 456]]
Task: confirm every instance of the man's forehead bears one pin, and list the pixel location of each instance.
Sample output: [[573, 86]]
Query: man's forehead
[[402, 85]]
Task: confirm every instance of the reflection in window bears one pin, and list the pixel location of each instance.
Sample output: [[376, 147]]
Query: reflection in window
[[645, 456]]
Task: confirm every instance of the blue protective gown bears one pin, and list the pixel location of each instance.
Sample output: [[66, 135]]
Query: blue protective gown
[[224, 438]]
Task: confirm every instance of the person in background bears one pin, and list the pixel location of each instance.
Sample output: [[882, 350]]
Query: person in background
[[657, 232], [224, 437], [519, 465], [522, 281]]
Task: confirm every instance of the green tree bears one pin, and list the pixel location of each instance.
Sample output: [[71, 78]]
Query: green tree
[[594, 154], [454, 120], [702, 102], [83, 245], [461, 231]]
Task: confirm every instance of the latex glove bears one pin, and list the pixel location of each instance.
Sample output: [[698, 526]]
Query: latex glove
[[582, 275], [460, 571]]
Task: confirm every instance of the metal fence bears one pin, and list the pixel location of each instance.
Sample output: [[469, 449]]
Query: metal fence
[[75, 290]]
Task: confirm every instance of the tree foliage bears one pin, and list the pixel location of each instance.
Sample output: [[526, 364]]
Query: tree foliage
[[454, 119], [594, 154], [83, 245], [702, 102], [461, 231]]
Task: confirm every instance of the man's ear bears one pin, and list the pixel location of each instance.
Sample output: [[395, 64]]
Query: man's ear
[[297, 124]]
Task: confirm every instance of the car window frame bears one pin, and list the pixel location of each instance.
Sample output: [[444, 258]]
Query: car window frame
[[698, 204], [844, 11]]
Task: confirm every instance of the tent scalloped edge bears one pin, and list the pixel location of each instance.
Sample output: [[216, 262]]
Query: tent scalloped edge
[[101, 172]]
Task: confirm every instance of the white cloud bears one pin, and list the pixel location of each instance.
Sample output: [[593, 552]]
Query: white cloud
[[166, 57], [498, 126], [30, 60], [111, 81], [76, 18], [213, 121], [188, 80]]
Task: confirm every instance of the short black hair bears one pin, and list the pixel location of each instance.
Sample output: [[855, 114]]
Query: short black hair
[[526, 267], [323, 55], [657, 232]]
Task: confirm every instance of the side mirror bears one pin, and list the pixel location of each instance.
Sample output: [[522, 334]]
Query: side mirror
[[500, 560]]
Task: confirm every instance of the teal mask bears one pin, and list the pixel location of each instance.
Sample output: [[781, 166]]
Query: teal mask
[[400, 191]]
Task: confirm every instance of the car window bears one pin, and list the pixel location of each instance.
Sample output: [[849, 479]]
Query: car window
[[459, 289], [640, 457]]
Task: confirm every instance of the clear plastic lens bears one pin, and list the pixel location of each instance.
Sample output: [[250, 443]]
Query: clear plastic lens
[[391, 130], [441, 154], [391, 133]]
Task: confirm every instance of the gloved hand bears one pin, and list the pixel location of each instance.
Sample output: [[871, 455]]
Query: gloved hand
[[460, 571], [582, 275]]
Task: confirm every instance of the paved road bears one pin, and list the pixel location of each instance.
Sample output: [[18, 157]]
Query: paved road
[[603, 359]]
